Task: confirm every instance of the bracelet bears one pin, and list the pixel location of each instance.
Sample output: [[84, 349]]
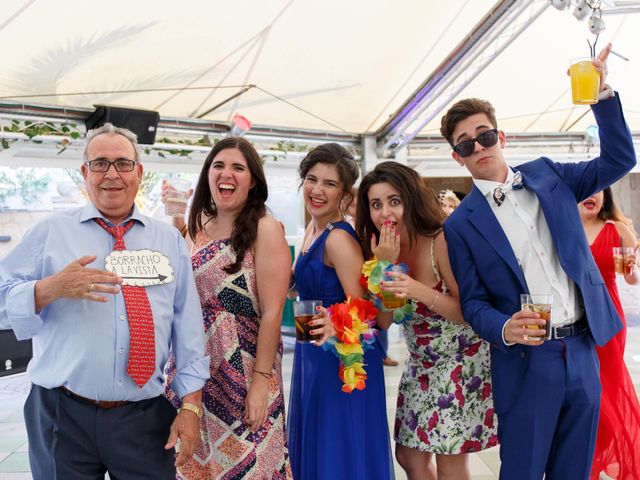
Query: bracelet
[[264, 374], [193, 408], [435, 300]]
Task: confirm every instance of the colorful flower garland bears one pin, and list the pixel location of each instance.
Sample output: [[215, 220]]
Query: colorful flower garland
[[354, 322], [373, 273]]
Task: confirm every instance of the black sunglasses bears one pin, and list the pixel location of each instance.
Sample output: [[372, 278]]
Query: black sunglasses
[[487, 139]]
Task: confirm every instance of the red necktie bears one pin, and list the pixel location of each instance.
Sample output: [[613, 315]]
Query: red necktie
[[142, 345]]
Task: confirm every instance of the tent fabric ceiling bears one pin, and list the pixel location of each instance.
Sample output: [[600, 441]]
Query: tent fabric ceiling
[[332, 65]]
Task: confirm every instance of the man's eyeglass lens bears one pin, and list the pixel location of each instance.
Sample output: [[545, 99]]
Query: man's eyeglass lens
[[486, 139], [101, 166]]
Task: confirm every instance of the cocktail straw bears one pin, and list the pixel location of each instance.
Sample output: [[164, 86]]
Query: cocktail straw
[[592, 48]]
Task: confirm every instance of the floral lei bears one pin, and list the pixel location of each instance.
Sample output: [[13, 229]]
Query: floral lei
[[354, 322], [372, 274]]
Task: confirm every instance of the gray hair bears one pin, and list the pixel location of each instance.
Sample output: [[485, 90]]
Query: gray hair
[[111, 130]]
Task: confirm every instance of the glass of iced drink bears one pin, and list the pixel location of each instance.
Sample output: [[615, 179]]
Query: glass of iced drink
[[177, 197], [624, 259], [303, 312], [540, 304], [390, 300]]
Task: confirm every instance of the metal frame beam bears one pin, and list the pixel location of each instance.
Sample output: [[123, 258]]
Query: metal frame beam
[[495, 32]]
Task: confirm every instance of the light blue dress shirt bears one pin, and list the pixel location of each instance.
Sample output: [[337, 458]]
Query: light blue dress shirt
[[84, 345]]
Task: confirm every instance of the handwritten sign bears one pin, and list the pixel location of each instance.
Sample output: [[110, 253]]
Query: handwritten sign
[[140, 268]]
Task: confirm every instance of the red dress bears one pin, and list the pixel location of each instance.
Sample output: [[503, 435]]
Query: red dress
[[618, 443]]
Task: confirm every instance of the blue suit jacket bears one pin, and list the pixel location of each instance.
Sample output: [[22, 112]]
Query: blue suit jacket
[[489, 277]]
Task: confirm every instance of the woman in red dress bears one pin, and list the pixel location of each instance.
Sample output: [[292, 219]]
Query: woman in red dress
[[618, 443]]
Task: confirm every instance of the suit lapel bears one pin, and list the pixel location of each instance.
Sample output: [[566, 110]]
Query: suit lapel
[[483, 220]]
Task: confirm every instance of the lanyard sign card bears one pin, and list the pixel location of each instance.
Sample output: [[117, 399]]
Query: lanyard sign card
[[140, 268]]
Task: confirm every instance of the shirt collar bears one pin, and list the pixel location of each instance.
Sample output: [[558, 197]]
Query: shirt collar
[[89, 212], [487, 187]]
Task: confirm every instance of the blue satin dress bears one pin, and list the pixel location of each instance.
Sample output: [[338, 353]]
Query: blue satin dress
[[334, 435]]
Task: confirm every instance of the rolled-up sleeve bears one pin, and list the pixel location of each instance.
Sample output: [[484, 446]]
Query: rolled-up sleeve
[[20, 308], [18, 277], [192, 366]]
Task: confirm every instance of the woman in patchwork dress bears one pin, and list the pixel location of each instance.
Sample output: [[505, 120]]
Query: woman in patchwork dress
[[241, 263], [444, 404]]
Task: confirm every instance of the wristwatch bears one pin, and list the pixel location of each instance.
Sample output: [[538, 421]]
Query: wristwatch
[[192, 407]]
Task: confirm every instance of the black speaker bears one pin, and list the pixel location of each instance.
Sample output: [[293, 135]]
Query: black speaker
[[141, 122], [14, 355]]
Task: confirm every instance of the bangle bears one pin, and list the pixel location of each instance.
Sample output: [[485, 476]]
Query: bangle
[[264, 374], [435, 300]]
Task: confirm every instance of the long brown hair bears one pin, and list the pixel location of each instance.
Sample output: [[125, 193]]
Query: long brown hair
[[245, 227], [422, 215], [611, 211]]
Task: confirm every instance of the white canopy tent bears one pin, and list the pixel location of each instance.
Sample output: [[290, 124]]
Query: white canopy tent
[[306, 71]]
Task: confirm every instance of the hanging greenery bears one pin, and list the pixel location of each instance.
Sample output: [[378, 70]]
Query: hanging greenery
[[29, 183]]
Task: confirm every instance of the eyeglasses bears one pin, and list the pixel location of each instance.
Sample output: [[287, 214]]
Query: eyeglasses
[[487, 139], [103, 166]]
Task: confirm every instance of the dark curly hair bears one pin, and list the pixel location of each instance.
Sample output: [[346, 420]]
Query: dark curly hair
[[245, 228], [422, 213], [333, 154]]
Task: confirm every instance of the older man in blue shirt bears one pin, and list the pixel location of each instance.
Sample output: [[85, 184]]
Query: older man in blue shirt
[[64, 286]]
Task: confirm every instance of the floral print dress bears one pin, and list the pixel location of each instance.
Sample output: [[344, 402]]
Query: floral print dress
[[445, 404]]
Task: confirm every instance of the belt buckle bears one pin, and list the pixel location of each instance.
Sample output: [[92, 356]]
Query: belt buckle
[[555, 335]]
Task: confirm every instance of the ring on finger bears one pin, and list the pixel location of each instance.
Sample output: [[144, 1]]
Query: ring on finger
[[91, 287]]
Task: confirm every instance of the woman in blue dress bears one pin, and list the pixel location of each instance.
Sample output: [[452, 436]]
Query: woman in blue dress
[[333, 434]]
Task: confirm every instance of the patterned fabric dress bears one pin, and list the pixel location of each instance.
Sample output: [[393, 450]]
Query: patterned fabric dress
[[231, 314], [445, 404]]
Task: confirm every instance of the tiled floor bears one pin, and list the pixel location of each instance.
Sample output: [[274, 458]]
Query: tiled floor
[[14, 464]]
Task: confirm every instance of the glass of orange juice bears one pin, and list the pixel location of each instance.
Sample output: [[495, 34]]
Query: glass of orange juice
[[585, 81]]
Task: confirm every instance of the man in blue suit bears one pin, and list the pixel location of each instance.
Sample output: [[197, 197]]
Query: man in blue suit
[[504, 241]]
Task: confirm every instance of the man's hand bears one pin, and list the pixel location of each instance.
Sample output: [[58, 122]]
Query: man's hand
[[256, 402], [186, 428], [516, 330], [76, 281], [600, 62]]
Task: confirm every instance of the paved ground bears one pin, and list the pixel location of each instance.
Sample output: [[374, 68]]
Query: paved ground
[[14, 464]]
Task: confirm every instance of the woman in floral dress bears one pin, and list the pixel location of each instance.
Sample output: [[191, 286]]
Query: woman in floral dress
[[241, 264], [444, 404]]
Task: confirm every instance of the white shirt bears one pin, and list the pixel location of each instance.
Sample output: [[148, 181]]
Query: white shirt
[[526, 228]]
